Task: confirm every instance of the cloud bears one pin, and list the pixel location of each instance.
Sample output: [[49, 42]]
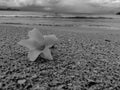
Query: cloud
[[91, 6], [56, 2], [20, 3], [82, 6], [108, 3]]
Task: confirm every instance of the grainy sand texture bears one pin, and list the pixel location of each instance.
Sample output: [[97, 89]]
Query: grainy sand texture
[[82, 61]]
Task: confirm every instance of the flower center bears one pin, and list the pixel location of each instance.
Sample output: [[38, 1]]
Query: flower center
[[42, 47]]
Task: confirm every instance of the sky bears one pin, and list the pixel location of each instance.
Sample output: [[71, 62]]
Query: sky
[[77, 6]]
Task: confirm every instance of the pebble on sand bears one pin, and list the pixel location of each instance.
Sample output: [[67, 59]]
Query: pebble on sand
[[22, 81]]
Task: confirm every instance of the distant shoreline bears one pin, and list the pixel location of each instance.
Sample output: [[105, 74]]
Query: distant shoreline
[[8, 9], [61, 17]]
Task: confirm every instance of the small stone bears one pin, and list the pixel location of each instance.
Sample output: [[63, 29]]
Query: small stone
[[0, 84], [107, 40], [37, 87], [60, 87], [70, 84], [93, 47], [21, 81], [34, 76], [42, 88]]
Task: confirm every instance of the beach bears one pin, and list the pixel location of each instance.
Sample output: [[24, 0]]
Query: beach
[[85, 58]]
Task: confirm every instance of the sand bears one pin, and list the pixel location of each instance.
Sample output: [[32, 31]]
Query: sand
[[82, 61]]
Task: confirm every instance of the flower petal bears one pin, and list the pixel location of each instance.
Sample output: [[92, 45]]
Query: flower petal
[[29, 43], [36, 35], [47, 54], [50, 40], [33, 54]]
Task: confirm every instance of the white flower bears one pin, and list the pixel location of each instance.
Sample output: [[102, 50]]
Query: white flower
[[39, 44]]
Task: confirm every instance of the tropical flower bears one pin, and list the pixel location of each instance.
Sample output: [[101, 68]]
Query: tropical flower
[[39, 44]]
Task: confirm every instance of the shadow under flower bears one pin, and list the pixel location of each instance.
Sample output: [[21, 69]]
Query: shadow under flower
[[41, 59]]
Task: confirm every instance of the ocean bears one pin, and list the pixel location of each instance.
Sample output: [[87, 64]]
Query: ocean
[[103, 22]]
